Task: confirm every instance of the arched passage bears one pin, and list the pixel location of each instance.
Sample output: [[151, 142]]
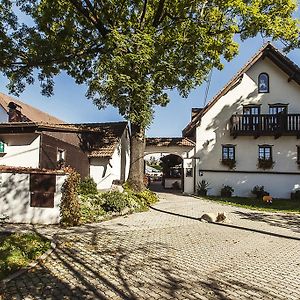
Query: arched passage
[[178, 166]]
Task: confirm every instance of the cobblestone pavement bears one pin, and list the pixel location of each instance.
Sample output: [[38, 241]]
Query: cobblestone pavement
[[167, 253]]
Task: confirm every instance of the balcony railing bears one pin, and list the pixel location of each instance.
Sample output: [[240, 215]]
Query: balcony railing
[[257, 125]]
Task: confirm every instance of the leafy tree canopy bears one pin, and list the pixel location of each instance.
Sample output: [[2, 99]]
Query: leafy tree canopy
[[130, 52]]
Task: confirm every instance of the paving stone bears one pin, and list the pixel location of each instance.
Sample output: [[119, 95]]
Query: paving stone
[[167, 253]]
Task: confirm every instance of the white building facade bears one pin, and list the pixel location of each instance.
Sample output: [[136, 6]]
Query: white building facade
[[248, 135]]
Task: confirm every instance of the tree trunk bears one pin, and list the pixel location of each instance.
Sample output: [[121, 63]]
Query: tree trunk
[[137, 148]]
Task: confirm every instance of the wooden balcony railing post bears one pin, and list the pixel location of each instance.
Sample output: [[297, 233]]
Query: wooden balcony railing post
[[256, 125]]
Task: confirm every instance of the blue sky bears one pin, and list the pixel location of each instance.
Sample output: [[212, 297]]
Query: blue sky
[[69, 102]]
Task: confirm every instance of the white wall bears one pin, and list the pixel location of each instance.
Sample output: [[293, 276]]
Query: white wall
[[213, 130], [105, 170], [278, 185], [188, 181], [3, 115], [15, 200], [21, 150]]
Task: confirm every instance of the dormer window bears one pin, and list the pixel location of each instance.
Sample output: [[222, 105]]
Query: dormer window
[[263, 83]]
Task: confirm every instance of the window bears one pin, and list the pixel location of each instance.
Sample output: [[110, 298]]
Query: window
[[61, 154], [251, 117], [298, 154], [61, 158], [263, 83], [228, 152], [265, 152], [251, 110], [275, 109]]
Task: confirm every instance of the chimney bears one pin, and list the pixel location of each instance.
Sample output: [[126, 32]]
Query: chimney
[[195, 111], [14, 113]]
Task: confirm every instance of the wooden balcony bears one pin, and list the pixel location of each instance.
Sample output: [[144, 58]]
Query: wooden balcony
[[265, 125]]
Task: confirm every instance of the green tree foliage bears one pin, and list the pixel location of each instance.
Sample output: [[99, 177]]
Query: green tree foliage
[[130, 52]]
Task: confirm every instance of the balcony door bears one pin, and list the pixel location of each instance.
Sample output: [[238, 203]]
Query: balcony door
[[277, 117], [251, 117]]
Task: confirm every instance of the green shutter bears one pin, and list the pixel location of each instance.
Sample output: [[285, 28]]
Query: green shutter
[[1, 147]]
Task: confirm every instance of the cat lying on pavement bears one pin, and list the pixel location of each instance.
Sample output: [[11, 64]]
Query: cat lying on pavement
[[211, 217]]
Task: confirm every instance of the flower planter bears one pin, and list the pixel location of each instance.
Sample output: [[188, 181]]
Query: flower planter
[[265, 164]]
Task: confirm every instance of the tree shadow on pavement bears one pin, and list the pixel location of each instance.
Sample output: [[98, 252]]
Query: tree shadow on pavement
[[92, 262], [230, 225], [288, 221]]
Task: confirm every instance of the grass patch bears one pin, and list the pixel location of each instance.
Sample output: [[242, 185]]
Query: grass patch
[[278, 205], [17, 250]]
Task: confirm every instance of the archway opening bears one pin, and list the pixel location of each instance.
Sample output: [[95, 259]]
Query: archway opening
[[164, 172]]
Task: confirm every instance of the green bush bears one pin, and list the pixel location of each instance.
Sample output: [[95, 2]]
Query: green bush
[[95, 207], [115, 201], [70, 208], [91, 208], [148, 196], [259, 191], [88, 186]]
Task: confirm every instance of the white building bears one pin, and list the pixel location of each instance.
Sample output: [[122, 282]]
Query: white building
[[33, 139], [249, 133]]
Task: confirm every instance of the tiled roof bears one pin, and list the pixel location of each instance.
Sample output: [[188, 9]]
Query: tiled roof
[[31, 113], [268, 50], [168, 142]]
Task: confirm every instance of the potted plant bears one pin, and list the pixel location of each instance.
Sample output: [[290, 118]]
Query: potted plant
[[295, 195], [259, 191], [230, 163], [202, 188], [265, 163], [226, 191]]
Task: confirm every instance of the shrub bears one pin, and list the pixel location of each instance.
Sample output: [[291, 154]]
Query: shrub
[[95, 207], [226, 191], [148, 197], [114, 201], [259, 191], [295, 195], [88, 186], [91, 208], [70, 207], [202, 187]]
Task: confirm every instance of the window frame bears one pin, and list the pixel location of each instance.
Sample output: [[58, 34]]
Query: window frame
[[228, 146], [264, 147], [267, 90], [276, 106], [251, 106], [62, 151]]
